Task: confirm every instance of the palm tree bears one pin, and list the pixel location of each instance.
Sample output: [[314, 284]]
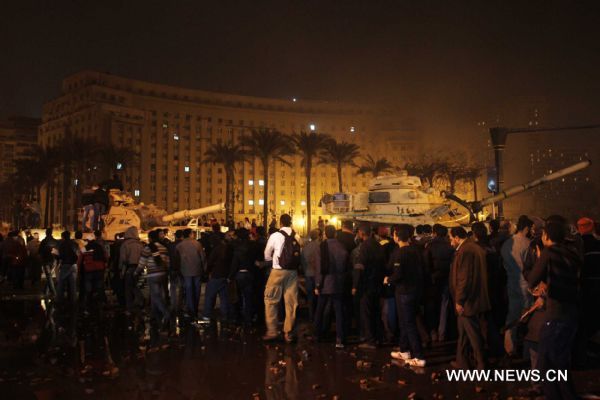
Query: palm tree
[[110, 159], [309, 145], [375, 167], [267, 145], [339, 154], [228, 155]]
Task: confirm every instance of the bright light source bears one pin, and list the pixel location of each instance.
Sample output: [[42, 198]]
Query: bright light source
[[294, 99], [303, 203], [261, 182], [282, 202], [312, 127], [76, 182], [119, 166], [165, 125], [250, 202], [136, 192], [251, 182], [299, 222], [176, 136], [334, 220], [352, 129], [261, 202], [186, 168]]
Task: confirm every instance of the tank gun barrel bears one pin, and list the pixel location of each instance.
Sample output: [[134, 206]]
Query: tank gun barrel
[[513, 191], [186, 214]]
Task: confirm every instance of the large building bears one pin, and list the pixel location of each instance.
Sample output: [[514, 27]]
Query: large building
[[18, 136], [172, 127]]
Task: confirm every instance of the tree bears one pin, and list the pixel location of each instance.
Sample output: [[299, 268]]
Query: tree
[[110, 159], [339, 154], [309, 145], [375, 167], [267, 145], [226, 154], [470, 175], [427, 166]]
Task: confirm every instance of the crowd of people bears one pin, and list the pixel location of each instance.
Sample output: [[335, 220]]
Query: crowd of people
[[501, 294]]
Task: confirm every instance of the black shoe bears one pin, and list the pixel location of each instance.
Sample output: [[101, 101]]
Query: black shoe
[[270, 338], [367, 346]]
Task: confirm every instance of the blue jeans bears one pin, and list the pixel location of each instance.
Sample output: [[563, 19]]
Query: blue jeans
[[322, 317], [409, 335], [246, 288], [66, 280], [175, 291], [192, 293], [158, 303], [554, 352], [389, 317], [216, 287], [94, 287]]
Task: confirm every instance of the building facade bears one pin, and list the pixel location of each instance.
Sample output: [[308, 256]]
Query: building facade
[[18, 136], [171, 128]]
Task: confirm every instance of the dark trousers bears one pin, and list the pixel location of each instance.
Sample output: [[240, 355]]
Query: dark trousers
[[470, 343], [216, 287], [132, 293], [408, 307], [192, 294], [554, 352], [370, 318], [245, 284], [94, 287], [323, 315], [389, 317], [311, 299], [18, 276]]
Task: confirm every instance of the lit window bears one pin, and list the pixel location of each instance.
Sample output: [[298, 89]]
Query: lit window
[[282, 202], [165, 125], [261, 183], [294, 99], [261, 202], [312, 127], [176, 136], [303, 203], [250, 202], [119, 166], [186, 168], [251, 182], [352, 129], [136, 192]]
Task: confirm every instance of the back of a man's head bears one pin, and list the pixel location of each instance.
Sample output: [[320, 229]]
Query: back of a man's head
[[66, 235], [365, 228], [97, 235], [480, 231], [524, 222], [459, 232], [347, 224], [555, 231], [285, 220], [440, 230], [48, 232], [216, 228], [187, 233], [494, 225], [314, 234], [330, 231], [427, 229], [403, 232], [179, 234], [78, 235], [419, 229]]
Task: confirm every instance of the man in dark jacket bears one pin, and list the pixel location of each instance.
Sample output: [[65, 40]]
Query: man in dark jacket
[[68, 254], [438, 258], [243, 269], [332, 266], [558, 267], [48, 252], [218, 269], [367, 284], [469, 290], [406, 264], [93, 262], [14, 254]]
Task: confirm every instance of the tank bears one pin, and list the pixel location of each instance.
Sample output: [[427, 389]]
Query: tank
[[401, 199]]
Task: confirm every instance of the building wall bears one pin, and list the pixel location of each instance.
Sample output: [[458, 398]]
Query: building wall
[[172, 127], [18, 136]]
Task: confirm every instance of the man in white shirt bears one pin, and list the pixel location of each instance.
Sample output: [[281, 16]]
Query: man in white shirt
[[283, 281]]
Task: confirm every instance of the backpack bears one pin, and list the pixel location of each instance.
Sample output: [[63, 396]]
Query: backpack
[[290, 252]]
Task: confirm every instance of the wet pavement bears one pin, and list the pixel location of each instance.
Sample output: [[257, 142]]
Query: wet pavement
[[50, 353]]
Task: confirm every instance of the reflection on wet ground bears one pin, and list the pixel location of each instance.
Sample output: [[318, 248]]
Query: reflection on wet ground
[[50, 353]]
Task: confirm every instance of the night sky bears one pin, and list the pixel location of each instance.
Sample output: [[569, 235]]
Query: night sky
[[443, 64]]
